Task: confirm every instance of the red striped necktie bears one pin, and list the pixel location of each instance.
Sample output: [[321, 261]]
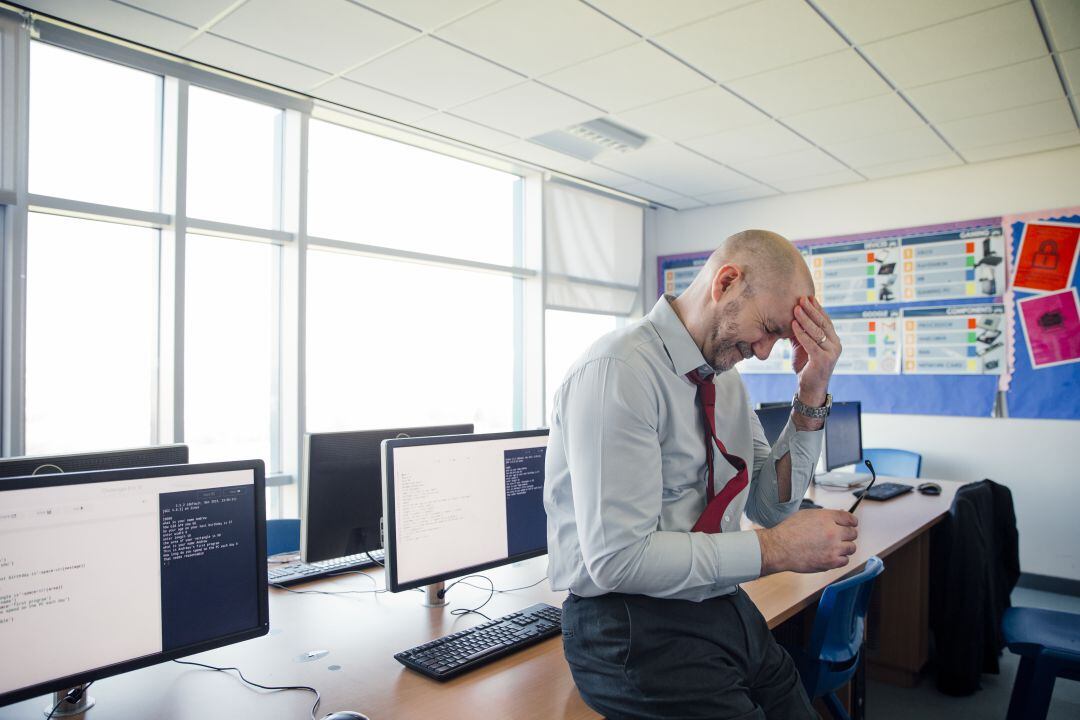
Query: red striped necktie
[[717, 503]]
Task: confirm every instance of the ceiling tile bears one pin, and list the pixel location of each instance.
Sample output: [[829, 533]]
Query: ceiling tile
[[1071, 62], [528, 109], [626, 78], [1024, 147], [650, 191], [435, 73], [803, 163], [834, 79], [753, 38], [192, 12], [993, 38], [537, 37], [1063, 23], [369, 100], [332, 35], [424, 14], [694, 114], [241, 59], [464, 130], [1021, 84], [684, 203], [650, 18], [606, 177], [748, 143], [865, 118], [673, 167], [1009, 126], [865, 22], [117, 19], [892, 147], [812, 182], [544, 157], [906, 167], [749, 192]]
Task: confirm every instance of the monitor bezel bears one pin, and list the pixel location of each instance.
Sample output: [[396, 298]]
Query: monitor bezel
[[390, 544], [306, 528], [124, 455], [96, 476], [829, 466]]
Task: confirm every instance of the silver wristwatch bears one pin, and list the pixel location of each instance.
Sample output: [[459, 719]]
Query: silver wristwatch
[[813, 412]]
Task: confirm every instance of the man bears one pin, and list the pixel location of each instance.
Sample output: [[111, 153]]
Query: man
[[644, 494]]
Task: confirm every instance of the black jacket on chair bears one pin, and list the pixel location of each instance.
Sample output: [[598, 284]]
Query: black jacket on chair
[[974, 566]]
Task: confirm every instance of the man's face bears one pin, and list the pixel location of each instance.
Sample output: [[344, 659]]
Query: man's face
[[748, 324]]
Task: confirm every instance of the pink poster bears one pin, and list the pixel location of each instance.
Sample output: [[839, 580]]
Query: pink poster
[[1052, 327]]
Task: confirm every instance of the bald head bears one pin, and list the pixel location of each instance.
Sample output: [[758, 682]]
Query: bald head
[[769, 262]]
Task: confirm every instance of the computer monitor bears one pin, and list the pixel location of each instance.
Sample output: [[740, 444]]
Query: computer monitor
[[843, 435], [342, 502], [773, 420], [461, 504], [109, 571], [107, 460], [782, 403]]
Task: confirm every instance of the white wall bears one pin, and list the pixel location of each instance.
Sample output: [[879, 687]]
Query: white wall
[[1037, 459]]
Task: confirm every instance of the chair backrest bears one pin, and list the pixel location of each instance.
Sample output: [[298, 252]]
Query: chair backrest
[[841, 615], [282, 536], [893, 462]]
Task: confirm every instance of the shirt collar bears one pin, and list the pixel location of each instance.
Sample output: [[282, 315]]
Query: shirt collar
[[684, 353]]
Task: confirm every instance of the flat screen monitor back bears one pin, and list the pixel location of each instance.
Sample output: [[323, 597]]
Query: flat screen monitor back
[[154, 456], [843, 435], [773, 420], [343, 496]]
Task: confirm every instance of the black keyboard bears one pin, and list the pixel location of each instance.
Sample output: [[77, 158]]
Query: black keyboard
[[463, 651], [884, 491], [299, 572]]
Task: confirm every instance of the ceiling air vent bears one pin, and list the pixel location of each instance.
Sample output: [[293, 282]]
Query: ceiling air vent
[[587, 140]]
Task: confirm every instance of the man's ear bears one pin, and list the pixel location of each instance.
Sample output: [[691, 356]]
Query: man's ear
[[723, 280]]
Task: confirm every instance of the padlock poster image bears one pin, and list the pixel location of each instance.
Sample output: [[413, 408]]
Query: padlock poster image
[[1046, 259]]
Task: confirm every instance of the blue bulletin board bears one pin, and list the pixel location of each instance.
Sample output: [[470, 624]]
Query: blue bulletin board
[[1052, 392]]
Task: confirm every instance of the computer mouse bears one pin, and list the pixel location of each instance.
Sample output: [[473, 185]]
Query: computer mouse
[[929, 489], [345, 715]]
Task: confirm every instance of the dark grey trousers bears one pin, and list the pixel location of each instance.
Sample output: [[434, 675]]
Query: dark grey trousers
[[634, 656]]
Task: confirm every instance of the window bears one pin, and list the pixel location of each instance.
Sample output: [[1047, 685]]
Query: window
[[234, 151], [91, 335], [567, 336], [395, 343], [369, 190], [95, 129], [230, 348]]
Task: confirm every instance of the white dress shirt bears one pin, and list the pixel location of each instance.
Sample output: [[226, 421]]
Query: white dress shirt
[[625, 472]]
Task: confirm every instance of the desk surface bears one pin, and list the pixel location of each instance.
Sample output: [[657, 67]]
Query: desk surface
[[362, 631]]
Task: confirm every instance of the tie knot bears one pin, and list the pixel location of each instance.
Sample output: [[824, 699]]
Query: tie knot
[[695, 377]]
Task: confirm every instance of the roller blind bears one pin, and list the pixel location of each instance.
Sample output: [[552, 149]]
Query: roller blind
[[594, 245]]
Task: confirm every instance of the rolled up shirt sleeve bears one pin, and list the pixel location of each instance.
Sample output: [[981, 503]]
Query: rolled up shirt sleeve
[[607, 418], [763, 506]]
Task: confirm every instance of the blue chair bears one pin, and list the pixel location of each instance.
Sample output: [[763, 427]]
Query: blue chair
[[837, 636], [282, 536], [894, 463], [1048, 643]]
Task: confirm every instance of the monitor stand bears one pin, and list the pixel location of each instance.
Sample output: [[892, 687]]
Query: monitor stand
[[434, 596], [66, 709]]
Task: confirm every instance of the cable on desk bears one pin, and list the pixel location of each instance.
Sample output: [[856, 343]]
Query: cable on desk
[[491, 593], [372, 559], [376, 591], [72, 697], [506, 590], [318, 697]]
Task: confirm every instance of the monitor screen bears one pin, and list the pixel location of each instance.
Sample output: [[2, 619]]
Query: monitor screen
[[82, 462], [843, 435], [773, 420], [462, 504], [343, 489], [108, 571]]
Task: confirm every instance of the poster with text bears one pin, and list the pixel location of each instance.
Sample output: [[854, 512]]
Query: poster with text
[[954, 340], [952, 265], [1051, 328], [856, 273], [779, 361], [677, 272], [871, 340], [1046, 259]]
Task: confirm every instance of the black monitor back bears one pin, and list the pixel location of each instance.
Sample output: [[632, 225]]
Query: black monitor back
[[81, 462], [773, 420], [343, 491]]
